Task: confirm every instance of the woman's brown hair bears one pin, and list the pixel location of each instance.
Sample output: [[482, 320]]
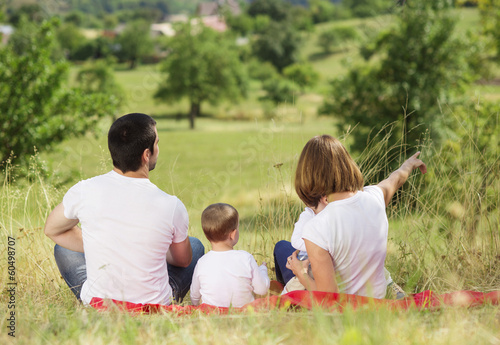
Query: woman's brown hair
[[325, 167]]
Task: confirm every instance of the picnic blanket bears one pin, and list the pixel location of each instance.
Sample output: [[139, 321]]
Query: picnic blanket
[[311, 299]]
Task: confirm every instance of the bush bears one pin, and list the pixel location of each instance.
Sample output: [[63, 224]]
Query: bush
[[336, 37], [303, 75]]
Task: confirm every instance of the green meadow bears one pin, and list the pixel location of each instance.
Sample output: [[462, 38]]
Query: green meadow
[[443, 236]]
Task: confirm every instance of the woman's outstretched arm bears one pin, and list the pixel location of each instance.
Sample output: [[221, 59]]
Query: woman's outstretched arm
[[391, 184]]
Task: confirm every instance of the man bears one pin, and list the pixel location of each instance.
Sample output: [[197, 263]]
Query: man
[[134, 235]]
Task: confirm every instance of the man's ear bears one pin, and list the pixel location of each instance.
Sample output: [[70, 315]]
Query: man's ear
[[323, 200], [146, 155]]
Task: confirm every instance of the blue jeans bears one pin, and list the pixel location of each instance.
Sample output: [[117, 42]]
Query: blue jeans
[[74, 272], [282, 250]]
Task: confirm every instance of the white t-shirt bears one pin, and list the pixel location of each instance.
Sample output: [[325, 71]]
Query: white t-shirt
[[127, 225], [354, 232], [297, 241], [228, 278]]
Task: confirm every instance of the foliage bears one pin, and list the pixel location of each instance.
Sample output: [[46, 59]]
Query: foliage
[[135, 42], [112, 6], [368, 8], [490, 18], [303, 75], [32, 12], [278, 44], [420, 65], [279, 90], [336, 36], [301, 19], [21, 39], [99, 77], [277, 10], [321, 10], [242, 24], [261, 70], [71, 40], [202, 65], [36, 108]]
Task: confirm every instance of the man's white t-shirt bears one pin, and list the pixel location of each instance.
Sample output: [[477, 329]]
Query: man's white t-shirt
[[127, 226], [354, 231], [228, 278]]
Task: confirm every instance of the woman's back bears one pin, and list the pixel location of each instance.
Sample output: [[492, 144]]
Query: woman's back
[[354, 232]]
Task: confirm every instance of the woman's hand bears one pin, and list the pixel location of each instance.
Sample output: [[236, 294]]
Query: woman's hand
[[295, 265]]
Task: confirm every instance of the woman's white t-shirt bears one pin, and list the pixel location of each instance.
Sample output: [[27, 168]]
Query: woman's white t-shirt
[[127, 226], [354, 231]]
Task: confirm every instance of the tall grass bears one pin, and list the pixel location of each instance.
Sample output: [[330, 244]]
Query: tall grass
[[444, 236]]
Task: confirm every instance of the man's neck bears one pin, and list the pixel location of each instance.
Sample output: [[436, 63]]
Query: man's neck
[[143, 172]]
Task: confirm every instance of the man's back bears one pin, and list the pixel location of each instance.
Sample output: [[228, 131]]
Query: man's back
[[128, 225]]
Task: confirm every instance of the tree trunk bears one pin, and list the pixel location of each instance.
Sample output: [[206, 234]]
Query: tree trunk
[[195, 111], [133, 62]]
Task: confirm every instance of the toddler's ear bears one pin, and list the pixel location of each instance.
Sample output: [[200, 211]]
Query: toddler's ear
[[232, 234]]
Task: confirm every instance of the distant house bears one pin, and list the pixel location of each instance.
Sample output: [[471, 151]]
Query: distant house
[[5, 32], [213, 8], [214, 22], [162, 29]]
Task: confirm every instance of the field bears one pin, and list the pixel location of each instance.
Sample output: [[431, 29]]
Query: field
[[444, 227]]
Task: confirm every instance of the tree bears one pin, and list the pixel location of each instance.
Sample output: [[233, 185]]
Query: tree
[[420, 65], [36, 108], [490, 18], [278, 44], [277, 10], [33, 12], [202, 65], [98, 77], [279, 90], [321, 10], [70, 39], [303, 75], [367, 8], [336, 37], [135, 42]]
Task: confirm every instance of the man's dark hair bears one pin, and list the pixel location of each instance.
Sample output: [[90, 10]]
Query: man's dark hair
[[128, 137]]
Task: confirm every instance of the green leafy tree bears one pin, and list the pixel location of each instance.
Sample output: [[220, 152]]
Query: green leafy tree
[[98, 77], [279, 90], [321, 11], [135, 42], [70, 39], [278, 44], [261, 71], [242, 24], [37, 109], [32, 12], [301, 19], [336, 37], [277, 10], [75, 17], [368, 8], [419, 66], [303, 75], [490, 18], [202, 65]]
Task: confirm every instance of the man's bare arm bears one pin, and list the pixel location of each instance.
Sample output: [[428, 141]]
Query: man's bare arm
[[180, 254], [391, 184], [63, 231]]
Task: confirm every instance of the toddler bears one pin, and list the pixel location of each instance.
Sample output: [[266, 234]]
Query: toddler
[[226, 277]]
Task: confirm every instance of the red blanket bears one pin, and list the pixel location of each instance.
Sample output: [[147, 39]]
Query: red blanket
[[325, 300]]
